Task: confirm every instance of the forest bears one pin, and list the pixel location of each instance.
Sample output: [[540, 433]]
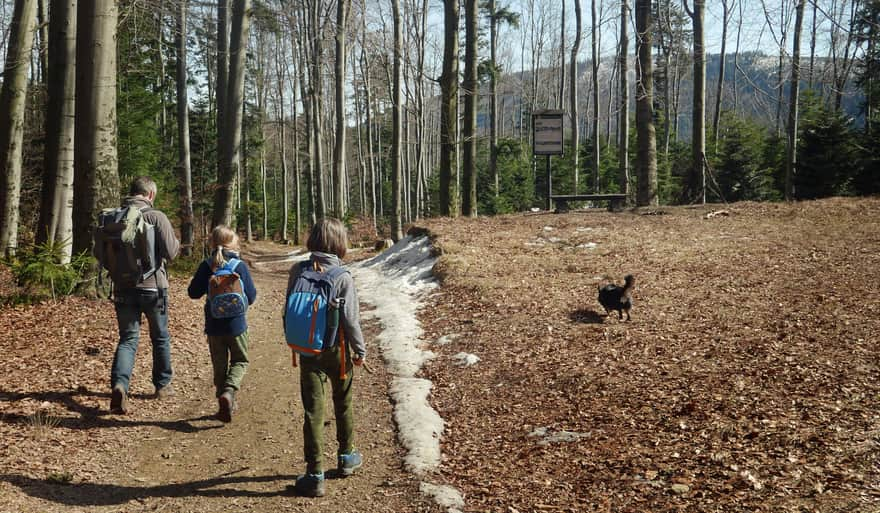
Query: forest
[[740, 135], [270, 114]]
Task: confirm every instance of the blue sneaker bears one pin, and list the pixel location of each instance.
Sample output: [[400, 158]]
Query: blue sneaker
[[310, 485], [349, 462]]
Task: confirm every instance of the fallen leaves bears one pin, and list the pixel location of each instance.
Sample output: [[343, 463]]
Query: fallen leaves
[[746, 379]]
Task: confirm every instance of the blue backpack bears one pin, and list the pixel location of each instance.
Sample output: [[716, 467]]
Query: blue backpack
[[226, 298], [308, 310]]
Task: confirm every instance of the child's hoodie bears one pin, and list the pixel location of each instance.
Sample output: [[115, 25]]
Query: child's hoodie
[[198, 287], [344, 285]]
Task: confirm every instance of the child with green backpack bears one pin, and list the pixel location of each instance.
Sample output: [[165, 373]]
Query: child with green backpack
[[322, 328], [227, 282]]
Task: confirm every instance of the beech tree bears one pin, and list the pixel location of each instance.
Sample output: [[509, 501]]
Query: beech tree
[[230, 133], [646, 157], [623, 116], [469, 130], [12, 104], [573, 90], [96, 176], [794, 89], [448, 107], [56, 208], [396, 135], [697, 180], [187, 219], [342, 9]]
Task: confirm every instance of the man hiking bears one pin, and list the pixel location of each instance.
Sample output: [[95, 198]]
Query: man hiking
[[134, 242]]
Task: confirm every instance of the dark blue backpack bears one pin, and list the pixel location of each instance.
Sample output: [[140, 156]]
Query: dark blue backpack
[[308, 309], [226, 298]]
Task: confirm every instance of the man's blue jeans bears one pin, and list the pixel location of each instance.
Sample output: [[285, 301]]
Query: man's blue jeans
[[130, 305]]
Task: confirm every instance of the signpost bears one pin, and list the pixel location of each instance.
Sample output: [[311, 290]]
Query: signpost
[[547, 139]]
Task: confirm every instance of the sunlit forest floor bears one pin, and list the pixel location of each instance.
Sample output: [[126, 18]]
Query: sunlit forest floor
[[748, 378]]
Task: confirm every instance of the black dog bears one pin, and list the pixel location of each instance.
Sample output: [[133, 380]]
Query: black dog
[[618, 298]]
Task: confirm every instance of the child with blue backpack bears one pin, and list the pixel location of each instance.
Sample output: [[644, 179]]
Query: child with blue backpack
[[322, 328], [227, 282]]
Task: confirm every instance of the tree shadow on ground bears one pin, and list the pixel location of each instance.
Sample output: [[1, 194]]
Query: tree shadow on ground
[[107, 494], [90, 417], [587, 316]]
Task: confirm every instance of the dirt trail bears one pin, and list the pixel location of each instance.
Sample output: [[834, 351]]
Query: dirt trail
[[188, 461]]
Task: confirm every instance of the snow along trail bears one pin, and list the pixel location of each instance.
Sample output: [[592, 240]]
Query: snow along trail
[[395, 282]]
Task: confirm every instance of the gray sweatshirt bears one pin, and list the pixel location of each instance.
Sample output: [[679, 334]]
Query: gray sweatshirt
[[350, 318], [166, 241]]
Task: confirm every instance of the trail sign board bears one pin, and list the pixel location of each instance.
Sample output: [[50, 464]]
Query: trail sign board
[[547, 132]]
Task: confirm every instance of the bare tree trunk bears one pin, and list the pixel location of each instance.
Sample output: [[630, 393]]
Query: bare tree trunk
[[597, 146], [43, 27], [623, 124], [697, 180], [362, 162], [794, 89], [160, 82], [646, 159], [303, 50], [365, 72], [96, 177], [57, 199], [716, 120], [449, 107], [262, 93], [297, 169], [736, 60], [12, 104], [185, 169], [342, 9], [493, 97], [280, 58], [469, 132], [316, 84], [396, 134], [812, 42], [231, 161], [242, 180], [222, 76], [573, 90]]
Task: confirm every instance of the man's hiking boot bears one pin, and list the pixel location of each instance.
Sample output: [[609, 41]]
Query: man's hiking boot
[[349, 462], [165, 392], [310, 485], [226, 403], [118, 400]]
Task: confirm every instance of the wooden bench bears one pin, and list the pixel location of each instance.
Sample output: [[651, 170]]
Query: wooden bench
[[615, 201]]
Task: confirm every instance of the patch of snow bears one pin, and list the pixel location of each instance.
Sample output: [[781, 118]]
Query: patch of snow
[[465, 359], [584, 229], [296, 255], [395, 283], [445, 496], [419, 426], [447, 339], [588, 245], [548, 228]]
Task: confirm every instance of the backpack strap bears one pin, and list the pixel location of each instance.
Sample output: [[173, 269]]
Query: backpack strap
[[232, 263]]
